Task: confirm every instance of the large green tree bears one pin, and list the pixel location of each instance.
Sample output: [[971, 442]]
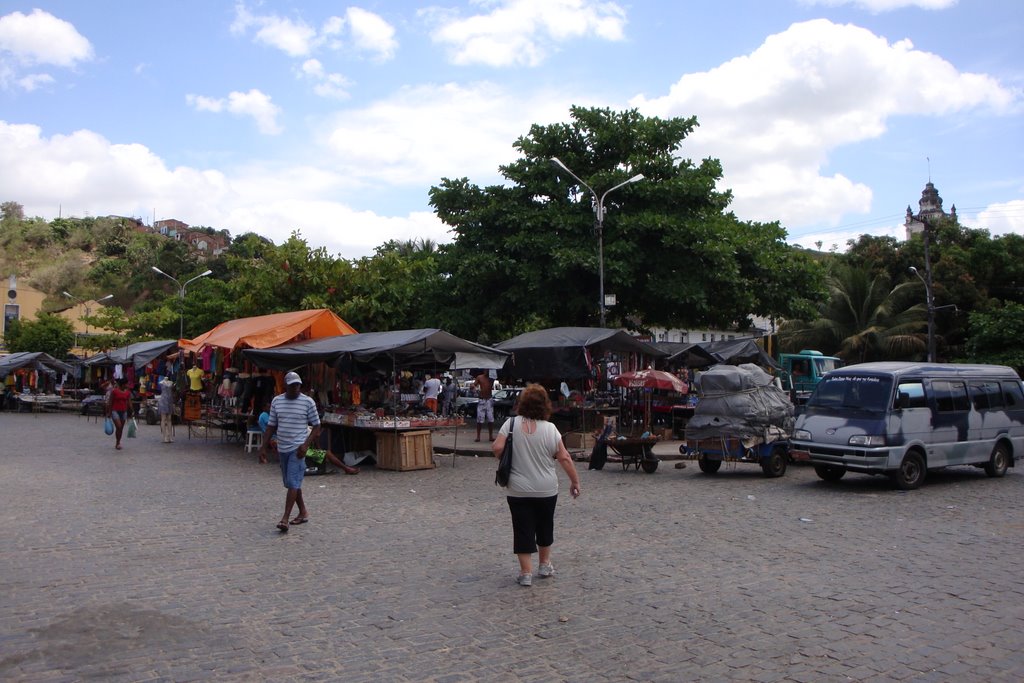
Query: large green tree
[[49, 333], [525, 253]]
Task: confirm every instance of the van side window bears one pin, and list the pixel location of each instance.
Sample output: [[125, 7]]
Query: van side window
[[985, 395], [914, 395], [1013, 395], [950, 396]]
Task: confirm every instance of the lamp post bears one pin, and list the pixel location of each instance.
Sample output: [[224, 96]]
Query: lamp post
[[181, 296], [88, 308], [598, 222], [930, 301]]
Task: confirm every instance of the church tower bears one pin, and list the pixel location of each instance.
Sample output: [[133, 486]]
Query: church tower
[[929, 208]]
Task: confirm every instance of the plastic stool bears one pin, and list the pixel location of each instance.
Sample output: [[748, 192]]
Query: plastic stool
[[253, 440]]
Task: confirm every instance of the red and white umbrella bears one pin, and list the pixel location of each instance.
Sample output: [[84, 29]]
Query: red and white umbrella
[[650, 379]]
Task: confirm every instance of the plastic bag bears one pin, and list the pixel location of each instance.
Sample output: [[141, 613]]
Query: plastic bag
[[133, 428], [108, 426]]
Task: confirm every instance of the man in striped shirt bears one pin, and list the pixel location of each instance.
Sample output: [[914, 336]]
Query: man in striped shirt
[[291, 415]]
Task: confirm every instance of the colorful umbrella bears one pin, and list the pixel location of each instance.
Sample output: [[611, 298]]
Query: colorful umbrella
[[650, 379]]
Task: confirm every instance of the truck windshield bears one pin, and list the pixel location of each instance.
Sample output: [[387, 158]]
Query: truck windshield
[[859, 392]]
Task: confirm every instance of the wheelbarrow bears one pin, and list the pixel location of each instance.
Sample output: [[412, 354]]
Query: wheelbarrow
[[636, 451]]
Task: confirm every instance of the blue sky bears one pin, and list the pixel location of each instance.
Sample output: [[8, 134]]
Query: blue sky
[[336, 119]]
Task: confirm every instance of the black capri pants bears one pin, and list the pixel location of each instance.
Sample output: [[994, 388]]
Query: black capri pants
[[533, 523]]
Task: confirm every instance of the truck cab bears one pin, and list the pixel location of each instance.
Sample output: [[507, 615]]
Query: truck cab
[[802, 371]]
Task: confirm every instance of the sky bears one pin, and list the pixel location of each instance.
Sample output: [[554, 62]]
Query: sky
[[335, 119]]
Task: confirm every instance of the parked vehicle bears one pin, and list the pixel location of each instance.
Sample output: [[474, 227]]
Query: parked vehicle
[[903, 419], [504, 403], [802, 371]]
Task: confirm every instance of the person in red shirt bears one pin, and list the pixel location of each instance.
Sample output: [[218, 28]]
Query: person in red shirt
[[119, 409]]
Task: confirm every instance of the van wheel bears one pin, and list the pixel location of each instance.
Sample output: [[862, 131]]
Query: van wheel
[[910, 475], [829, 472], [1000, 460], [707, 465], [775, 464]]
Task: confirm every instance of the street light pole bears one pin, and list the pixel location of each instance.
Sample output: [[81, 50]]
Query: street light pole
[[181, 296], [598, 224], [88, 308], [930, 301]]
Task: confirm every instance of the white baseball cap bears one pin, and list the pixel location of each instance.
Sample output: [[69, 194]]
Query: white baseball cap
[[292, 378]]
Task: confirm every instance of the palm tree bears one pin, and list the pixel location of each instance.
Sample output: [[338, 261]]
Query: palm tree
[[864, 319]]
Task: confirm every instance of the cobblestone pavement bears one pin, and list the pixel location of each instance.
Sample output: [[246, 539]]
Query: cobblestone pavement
[[162, 563]]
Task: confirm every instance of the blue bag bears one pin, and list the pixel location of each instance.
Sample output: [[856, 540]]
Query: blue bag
[[108, 426]]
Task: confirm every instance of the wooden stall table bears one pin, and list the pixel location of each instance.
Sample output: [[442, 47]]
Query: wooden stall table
[[401, 446]]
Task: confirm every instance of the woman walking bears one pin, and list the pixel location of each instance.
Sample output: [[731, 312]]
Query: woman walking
[[120, 409], [533, 484]]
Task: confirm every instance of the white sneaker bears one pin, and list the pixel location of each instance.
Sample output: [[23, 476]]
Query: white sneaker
[[545, 571], [525, 580]]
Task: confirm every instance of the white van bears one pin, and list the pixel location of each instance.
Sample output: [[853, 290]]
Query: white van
[[903, 419]]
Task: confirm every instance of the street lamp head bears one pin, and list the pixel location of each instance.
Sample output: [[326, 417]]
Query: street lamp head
[[638, 176], [208, 272], [68, 295], [159, 271], [104, 298], [912, 269]]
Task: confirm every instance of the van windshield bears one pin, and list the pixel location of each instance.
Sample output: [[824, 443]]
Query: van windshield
[[857, 392]]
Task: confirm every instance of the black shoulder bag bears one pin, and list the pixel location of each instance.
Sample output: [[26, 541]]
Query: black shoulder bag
[[505, 463]]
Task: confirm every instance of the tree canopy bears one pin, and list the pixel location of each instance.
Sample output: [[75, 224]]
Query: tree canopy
[[525, 253]]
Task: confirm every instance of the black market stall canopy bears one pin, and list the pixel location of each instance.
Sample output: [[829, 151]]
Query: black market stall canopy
[[139, 354], [406, 347], [569, 352], [35, 360], [682, 354]]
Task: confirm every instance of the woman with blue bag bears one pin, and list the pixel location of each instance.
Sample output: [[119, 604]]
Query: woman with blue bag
[[119, 409]]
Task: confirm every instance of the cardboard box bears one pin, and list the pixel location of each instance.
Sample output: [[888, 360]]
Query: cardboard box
[[404, 451], [578, 440]]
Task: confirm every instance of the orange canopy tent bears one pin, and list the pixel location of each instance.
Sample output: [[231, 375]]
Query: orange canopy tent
[[267, 331]]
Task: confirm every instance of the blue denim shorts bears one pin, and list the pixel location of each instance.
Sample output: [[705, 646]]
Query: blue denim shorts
[[292, 469]]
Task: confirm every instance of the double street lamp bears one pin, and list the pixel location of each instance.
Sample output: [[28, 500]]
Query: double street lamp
[[181, 296], [599, 210], [88, 306]]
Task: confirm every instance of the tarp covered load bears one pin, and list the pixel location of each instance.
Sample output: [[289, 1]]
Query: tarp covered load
[[266, 331], [424, 347], [568, 352], [740, 401]]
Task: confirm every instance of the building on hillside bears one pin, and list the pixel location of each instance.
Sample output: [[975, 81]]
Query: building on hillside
[[171, 228], [761, 327], [24, 302], [929, 208]]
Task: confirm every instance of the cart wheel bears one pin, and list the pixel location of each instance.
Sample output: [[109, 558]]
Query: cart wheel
[[650, 465], [707, 465], [775, 464]]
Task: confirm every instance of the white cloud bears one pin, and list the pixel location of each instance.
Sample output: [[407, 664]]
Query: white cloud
[[254, 104], [332, 85], [39, 38], [879, 6], [423, 133], [524, 32], [371, 33], [34, 81], [1000, 219], [97, 177], [294, 38], [367, 32], [773, 116]]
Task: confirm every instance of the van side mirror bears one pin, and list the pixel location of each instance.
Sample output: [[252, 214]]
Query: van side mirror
[[903, 401]]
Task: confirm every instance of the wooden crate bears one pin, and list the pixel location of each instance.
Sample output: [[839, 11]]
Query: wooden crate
[[405, 450]]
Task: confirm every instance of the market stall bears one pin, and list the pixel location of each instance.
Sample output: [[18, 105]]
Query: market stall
[[30, 380], [400, 440], [220, 388], [583, 361]]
